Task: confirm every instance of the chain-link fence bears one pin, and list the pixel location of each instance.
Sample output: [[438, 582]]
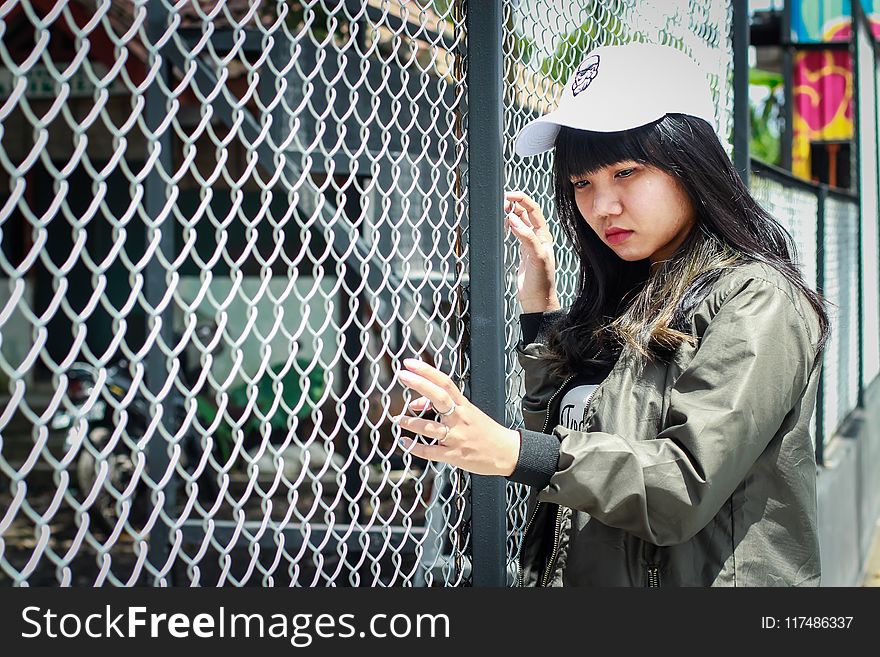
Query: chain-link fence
[[223, 225], [841, 286], [866, 105], [825, 232], [796, 208], [836, 237]]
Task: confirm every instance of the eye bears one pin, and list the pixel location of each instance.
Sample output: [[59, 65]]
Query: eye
[[580, 184], [625, 173]]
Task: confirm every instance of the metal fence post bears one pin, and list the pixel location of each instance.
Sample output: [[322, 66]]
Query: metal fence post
[[741, 130], [156, 287], [485, 198], [788, 86], [858, 160], [820, 280]]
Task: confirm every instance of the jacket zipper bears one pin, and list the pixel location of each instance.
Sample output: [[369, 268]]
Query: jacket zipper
[[652, 567], [556, 532], [538, 505], [556, 536], [653, 575]]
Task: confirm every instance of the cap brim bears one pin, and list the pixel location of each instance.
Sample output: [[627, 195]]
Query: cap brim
[[536, 137], [540, 134]]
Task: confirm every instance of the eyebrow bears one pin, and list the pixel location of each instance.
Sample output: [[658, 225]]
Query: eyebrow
[[623, 164]]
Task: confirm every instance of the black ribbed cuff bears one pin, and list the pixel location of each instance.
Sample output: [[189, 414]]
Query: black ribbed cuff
[[538, 458], [530, 323], [536, 326]]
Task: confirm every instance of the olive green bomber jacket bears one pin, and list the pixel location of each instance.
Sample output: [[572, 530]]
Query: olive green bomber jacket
[[699, 471]]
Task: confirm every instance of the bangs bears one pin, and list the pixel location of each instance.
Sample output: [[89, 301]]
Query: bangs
[[580, 152]]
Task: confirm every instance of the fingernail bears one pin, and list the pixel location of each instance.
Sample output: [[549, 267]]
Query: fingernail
[[412, 362], [404, 442]]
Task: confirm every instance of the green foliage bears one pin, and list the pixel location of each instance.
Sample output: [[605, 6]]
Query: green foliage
[[443, 8], [523, 48], [764, 143]]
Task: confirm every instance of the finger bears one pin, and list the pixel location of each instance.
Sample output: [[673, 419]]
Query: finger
[[428, 428], [533, 209], [523, 199], [438, 396], [422, 451], [515, 227], [525, 234], [436, 383], [522, 214], [514, 206], [419, 405]]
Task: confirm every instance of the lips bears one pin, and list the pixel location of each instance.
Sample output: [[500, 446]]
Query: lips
[[617, 235]]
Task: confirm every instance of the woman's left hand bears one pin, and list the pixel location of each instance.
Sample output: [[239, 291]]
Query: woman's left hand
[[466, 438]]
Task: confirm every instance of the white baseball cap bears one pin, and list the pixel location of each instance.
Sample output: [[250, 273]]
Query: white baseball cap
[[621, 87]]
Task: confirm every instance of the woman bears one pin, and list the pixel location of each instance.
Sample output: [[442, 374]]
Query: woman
[[667, 412]]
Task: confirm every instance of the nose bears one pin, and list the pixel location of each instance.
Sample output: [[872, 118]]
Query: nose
[[605, 203]]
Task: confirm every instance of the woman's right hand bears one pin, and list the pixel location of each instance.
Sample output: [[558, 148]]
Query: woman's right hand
[[536, 276]]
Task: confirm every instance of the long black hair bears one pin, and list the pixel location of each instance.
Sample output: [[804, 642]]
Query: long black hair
[[620, 302]]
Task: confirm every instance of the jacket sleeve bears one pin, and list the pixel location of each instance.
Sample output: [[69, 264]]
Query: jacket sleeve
[[539, 452], [752, 364], [530, 325], [536, 326]]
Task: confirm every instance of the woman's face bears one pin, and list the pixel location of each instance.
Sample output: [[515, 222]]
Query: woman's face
[[647, 203]]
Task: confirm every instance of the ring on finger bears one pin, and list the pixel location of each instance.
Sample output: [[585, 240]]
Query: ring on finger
[[442, 440], [447, 413]]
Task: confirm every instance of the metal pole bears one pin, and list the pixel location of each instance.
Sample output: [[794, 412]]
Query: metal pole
[[875, 71], [741, 130], [788, 87], [155, 287], [858, 120], [485, 198], [820, 281]]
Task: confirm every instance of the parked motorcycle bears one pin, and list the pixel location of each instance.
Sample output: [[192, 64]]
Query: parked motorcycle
[[95, 447], [121, 464]]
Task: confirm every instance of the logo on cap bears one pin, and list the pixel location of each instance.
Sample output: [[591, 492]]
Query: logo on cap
[[585, 74]]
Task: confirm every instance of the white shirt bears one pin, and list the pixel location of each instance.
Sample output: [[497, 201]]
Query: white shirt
[[573, 409]]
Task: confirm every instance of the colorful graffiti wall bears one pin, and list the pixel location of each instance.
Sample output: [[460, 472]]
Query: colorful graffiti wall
[[822, 79]]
